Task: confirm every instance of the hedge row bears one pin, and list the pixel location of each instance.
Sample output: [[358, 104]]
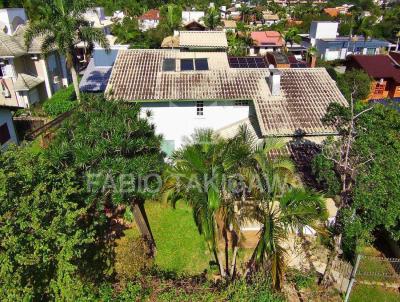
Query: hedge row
[[62, 101]]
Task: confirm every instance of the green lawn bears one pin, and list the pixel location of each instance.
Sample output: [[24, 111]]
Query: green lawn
[[180, 248], [363, 293]]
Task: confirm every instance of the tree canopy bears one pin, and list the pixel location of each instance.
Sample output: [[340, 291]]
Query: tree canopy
[[54, 204]]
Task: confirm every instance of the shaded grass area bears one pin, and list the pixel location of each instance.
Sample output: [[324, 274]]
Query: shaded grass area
[[180, 248], [374, 267], [362, 293]]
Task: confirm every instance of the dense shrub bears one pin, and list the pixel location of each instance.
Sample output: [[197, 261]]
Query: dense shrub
[[62, 101]]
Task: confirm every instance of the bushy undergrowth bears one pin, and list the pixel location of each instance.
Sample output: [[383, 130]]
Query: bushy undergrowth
[[158, 285], [62, 101]]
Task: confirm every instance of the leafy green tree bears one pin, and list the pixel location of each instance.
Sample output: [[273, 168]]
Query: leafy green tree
[[42, 228], [246, 13], [62, 26], [291, 36], [354, 83], [127, 32], [237, 46], [115, 153], [171, 18], [212, 18]]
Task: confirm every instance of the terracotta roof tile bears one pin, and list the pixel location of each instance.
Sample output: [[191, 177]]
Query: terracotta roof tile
[[153, 14], [305, 93], [261, 38]]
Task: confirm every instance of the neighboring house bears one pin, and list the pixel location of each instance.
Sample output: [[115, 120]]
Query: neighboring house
[[324, 37], [190, 90], [189, 16], [197, 40], [229, 25], [338, 10], [384, 72], [278, 59], [265, 41], [98, 71], [11, 18], [395, 56], [98, 19], [269, 18], [7, 130], [26, 75], [149, 20], [194, 26]]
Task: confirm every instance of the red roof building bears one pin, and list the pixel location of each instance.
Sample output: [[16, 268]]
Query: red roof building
[[267, 38], [384, 72], [153, 14]]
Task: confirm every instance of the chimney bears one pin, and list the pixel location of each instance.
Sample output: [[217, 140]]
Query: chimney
[[274, 81]]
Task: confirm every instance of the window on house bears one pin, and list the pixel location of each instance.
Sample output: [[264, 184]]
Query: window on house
[[241, 103], [4, 134], [358, 50], [169, 65], [199, 108], [379, 88], [370, 51], [187, 64]]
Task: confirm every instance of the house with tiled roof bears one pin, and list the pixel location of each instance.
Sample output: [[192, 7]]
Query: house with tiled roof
[[265, 41], [197, 41], [26, 75], [204, 89], [149, 20], [383, 70]]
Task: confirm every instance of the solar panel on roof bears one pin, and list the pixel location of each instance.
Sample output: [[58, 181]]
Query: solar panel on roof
[[187, 64], [247, 62], [201, 64], [169, 65]]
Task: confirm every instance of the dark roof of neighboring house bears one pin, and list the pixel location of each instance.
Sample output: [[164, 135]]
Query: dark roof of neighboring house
[[153, 14], [194, 24], [138, 75], [280, 58], [395, 55], [378, 66]]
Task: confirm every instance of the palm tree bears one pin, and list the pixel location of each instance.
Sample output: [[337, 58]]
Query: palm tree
[[292, 211], [291, 36], [246, 12], [212, 18], [63, 27], [200, 176], [280, 205], [312, 56], [171, 18]]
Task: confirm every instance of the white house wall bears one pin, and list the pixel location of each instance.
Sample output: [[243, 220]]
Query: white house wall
[[6, 117], [177, 120]]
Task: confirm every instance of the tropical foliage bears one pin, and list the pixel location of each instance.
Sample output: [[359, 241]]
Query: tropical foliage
[[229, 182], [373, 202], [62, 26], [56, 205], [212, 18]]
